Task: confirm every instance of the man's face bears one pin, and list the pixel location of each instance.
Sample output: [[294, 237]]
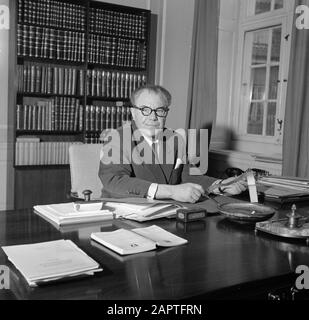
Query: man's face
[[149, 125]]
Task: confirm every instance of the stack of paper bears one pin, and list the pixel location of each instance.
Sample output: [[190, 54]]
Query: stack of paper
[[298, 184], [66, 213], [141, 210], [285, 188], [49, 261]]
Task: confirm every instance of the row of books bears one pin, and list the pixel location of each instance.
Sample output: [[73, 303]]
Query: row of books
[[117, 51], [31, 151], [52, 13], [42, 42], [117, 23], [102, 83], [92, 138], [131, 53], [57, 114], [48, 79], [99, 118]]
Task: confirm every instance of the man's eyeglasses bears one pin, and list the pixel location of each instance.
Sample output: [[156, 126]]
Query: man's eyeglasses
[[147, 111]]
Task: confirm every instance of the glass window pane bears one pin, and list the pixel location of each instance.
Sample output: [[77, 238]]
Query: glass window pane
[[271, 119], [255, 118], [260, 47], [258, 81], [278, 4], [276, 45], [273, 83], [262, 6]]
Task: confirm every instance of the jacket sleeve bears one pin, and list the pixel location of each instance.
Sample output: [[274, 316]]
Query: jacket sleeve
[[117, 174], [204, 181]]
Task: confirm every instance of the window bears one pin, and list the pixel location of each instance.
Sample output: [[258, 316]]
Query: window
[[258, 7], [263, 49], [261, 74], [262, 6]]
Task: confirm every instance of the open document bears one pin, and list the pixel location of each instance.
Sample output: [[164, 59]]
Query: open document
[[137, 240], [49, 261]]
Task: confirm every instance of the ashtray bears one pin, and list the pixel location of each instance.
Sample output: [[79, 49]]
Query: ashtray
[[246, 212]]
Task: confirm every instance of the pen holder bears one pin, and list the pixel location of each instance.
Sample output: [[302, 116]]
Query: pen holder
[[87, 195]]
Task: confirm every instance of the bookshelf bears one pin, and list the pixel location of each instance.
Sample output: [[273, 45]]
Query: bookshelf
[[76, 64]]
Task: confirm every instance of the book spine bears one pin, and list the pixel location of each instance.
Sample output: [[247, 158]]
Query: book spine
[[113, 117], [97, 118], [87, 118], [118, 117], [19, 117], [102, 119], [108, 118], [81, 118]]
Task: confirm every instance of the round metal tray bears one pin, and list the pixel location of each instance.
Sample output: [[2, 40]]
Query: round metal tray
[[246, 212]]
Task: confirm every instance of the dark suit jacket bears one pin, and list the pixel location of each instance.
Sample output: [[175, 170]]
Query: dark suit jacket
[[127, 178]]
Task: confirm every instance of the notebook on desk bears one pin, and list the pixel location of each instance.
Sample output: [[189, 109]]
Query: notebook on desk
[[137, 240]]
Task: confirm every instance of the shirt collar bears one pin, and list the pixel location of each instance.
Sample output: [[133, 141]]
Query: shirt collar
[[150, 141]]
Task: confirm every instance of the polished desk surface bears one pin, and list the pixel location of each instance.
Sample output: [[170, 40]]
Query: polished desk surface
[[221, 258]]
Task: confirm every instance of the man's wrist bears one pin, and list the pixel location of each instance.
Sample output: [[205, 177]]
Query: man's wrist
[[164, 191], [152, 191]]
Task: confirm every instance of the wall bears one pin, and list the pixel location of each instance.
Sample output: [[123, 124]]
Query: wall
[[175, 64], [229, 11], [174, 39], [6, 126]]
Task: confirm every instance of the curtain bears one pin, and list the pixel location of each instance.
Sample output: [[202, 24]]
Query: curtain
[[296, 124], [202, 96]]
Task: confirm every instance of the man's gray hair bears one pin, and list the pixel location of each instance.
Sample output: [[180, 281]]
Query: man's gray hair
[[165, 95]]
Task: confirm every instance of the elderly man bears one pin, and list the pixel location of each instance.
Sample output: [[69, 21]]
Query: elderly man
[[139, 161]]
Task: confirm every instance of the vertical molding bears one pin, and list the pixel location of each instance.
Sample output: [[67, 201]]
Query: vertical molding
[[177, 25], [227, 46], [158, 8], [6, 123], [147, 4], [163, 36], [10, 185]]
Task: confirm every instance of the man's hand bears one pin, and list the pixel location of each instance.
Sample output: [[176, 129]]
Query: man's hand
[[233, 189], [186, 192]]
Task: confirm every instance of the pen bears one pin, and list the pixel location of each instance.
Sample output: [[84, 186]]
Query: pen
[[222, 185]]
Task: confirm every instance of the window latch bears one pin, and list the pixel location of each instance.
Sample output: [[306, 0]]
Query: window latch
[[280, 122]]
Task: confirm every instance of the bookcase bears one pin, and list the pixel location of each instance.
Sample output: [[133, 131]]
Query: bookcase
[[76, 64]]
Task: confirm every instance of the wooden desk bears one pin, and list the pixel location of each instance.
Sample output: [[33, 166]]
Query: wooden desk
[[221, 260]]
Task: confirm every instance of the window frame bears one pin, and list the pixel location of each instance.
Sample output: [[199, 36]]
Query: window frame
[[248, 9], [239, 119]]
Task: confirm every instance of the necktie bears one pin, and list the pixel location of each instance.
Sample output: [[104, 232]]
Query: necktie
[[154, 153]]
